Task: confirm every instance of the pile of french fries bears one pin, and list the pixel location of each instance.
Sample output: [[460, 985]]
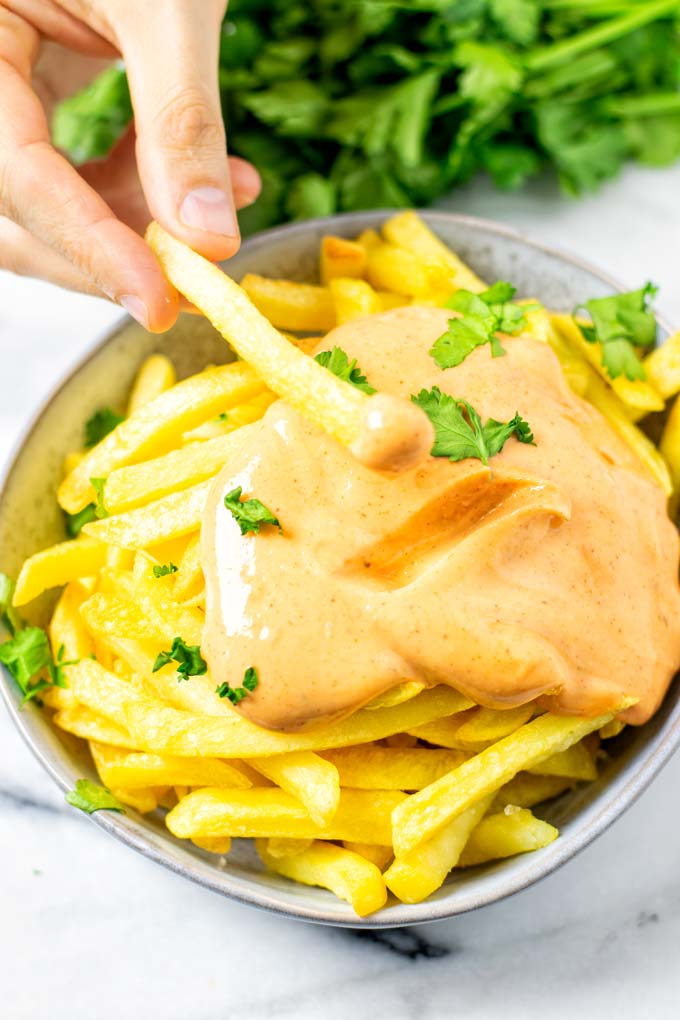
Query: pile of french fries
[[409, 787]]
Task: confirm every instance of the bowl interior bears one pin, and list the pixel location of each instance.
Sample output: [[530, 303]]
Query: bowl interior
[[30, 520]]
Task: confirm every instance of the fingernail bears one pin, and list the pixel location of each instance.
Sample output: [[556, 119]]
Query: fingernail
[[135, 307], [209, 209]]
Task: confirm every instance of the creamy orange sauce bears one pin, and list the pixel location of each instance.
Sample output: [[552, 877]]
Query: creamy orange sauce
[[551, 574]]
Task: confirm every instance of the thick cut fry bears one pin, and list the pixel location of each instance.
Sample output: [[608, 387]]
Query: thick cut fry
[[599, 394], [381, 856], [510, 832], [287, 847], [663, 366], [341, 258], [395, 269], [174, 515], [220, 845], [527, 790], [426, 812], [189, 578], [612, 729], [353, 299], [157, 426], [670, 450], [156, 375], [639, 396], [67, 629], [174, 472], [487, 725], [144, 800], [229, 421], [363, 816], [82, 722], [168, 731], [72, 460], [58, 565], [108, 616], [364, 423], [392, 768], [131, 771], [443, 732], [408, 231], [418, 873], [348, 875], [369, 238], [575, 763], [288, 305], [308, 777], [396, 695]]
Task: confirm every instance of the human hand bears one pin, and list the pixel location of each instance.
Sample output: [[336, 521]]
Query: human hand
[[79, 228]]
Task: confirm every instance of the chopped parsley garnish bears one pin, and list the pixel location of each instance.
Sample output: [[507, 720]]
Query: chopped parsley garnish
[[236, 694], [100, 424], [337, 362], [481, 317], [26, 655], [222, 416], [76, 522], [249, 514], [164, 569], [90, 797], [100, 510], [621, 323], [459, 432], [188, 657]]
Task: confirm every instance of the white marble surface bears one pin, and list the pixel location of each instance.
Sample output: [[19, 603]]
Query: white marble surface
[[89, 929]]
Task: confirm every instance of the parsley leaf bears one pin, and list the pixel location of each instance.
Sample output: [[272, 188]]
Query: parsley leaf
[[100, 510], [337, 362], [189, 659], [459, 432], [249, 514], [481, 317], [236, 694], [100, 424], [621, 323], [91, 797], [164, 569], [27, 654], [7, 611], [76, 522]]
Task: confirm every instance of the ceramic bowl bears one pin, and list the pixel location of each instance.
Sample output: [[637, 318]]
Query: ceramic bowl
[[30, 520]]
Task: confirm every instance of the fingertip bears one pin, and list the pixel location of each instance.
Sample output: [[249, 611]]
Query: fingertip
[[245, 181]]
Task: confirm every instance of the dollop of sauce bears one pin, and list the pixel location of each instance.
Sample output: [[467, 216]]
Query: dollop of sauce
[[551, 574]]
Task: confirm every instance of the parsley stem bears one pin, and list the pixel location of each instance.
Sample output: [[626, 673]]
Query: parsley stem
[[566, 49], [643, 106]]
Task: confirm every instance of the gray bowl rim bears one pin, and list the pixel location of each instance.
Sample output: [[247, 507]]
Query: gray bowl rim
[[642, 771]]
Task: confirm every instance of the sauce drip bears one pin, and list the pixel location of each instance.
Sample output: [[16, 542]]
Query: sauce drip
[[551, 574]]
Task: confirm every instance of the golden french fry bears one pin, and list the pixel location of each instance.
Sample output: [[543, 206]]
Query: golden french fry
[[287, 847], [381, 856], [388, 301], [58, 565], [288, 305], [443, 732], [174, 515], [575, 763], [82, 722], [369, 238], [487, 725], [348, 875], [155, 427], [426, 812], [527, 790], [408, 231], [66, 628], [143, 800], [639, 396], [168, 731], [663, 366], [512, 831], [359, 421], [229, 421], [395, 269], [612, 729], [416, 874], [308, 777], [353, 299], [220, 845], [131, 771], [363, 816], [341, 258], [368, 767], [72, 460], [156, 375], [396, 695], [189, 578], [670, 450]]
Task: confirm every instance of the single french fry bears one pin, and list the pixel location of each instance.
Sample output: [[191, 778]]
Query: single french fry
[[155, 427], [353, 299], [612, 729], [670, 451], [606, 401], [416, 874], [396, 695], [487, 725], [143, 800], [395, 269], [381, 856], [306, 776], [426, 812], [229, 421], [82, 722], [66, 628], [219, 845], [663, 366], [189, 579], [156, 375], [348, 875], [527, 790], [174, 515], [168, 731], [359, 421], [131, 771], [341, 258], [72, 460], [408, 231], [369, 238], [512, 831], [639, 396], [288, 305], [363, 816], [58, 565], [575, 763], [287, 847], [368, 767], [109, 616], [443, 732]]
